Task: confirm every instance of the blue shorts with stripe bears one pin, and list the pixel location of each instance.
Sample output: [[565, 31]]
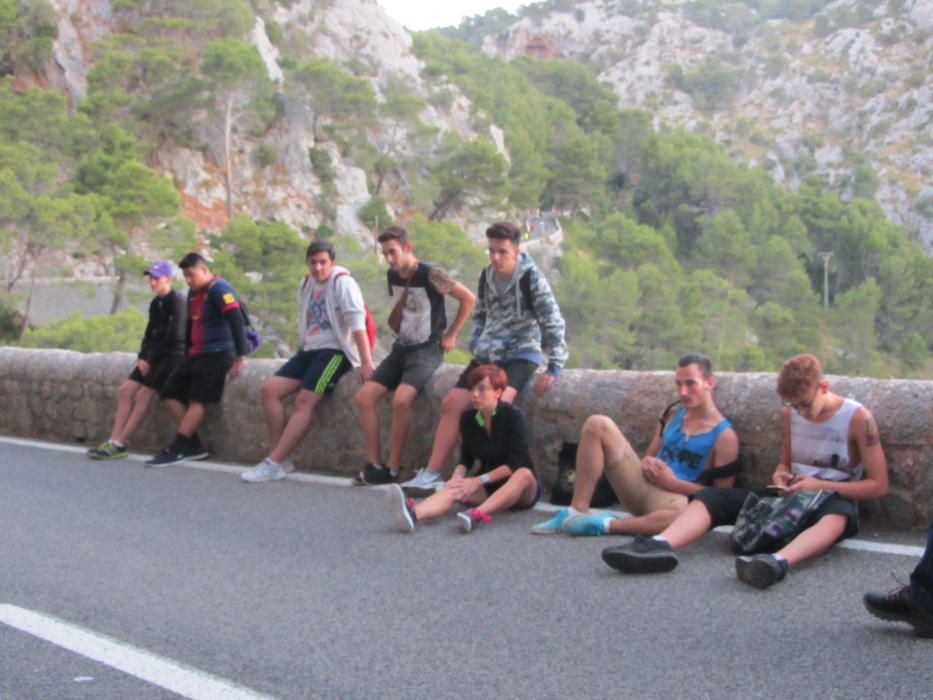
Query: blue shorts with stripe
[[318, 370]]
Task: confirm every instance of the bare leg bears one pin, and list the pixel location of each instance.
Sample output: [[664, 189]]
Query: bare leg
[[448, 428], [519, 489], [690, 525], [601, 443], [508, 396], [133, 421], [649, 524], [297, 425], [176, 409], [366, 399], [435, 506], [194, 416], [401, 422], [126, 396], [272, 391], [816, 539]]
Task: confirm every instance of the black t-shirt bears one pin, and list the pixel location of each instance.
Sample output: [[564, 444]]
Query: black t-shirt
[[165, 332], [506, 444], [424, 317]]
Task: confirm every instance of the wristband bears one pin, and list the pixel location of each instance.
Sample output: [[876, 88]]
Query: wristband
[[484, 478]]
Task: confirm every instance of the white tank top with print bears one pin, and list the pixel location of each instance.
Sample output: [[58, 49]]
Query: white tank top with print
[[822, 449]]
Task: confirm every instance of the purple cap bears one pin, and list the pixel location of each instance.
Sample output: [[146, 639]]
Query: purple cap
[[160, 268]]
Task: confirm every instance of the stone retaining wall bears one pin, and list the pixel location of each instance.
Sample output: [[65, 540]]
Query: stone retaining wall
[[69, 396]]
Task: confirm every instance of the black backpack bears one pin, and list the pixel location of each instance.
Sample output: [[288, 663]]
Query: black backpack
[[562, 491], [524, 283]]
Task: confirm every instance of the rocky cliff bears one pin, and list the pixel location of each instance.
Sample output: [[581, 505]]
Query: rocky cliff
[[356, 31], [845, 92]]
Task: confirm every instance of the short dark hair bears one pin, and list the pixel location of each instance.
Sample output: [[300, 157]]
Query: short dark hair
[[505, 231], [497, 377], [698, 359], [192, 259], [395, 233], [319, 246]]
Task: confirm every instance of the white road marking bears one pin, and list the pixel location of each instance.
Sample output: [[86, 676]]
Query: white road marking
[[858, 545], [165, 673]]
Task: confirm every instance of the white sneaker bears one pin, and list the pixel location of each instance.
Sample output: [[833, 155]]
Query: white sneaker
[[288, 465], [266, 470], [425, 480]]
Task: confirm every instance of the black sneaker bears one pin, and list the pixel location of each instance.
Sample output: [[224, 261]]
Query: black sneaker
[[899, 606], [167, 457], [194, 449], [643, 555], [760, 570], [374, 476]]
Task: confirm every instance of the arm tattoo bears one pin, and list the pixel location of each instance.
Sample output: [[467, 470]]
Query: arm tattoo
[[871, 433]]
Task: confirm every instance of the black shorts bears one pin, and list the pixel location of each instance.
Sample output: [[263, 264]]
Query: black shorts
[[518, 372], [724, 506], [158, 374], [199, 378], [411, 366], [318, 370]]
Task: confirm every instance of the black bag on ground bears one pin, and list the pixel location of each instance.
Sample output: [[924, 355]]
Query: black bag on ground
[[562, 491]]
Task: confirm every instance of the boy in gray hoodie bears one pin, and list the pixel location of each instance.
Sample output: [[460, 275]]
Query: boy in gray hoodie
[[331, 339], [517, 324]]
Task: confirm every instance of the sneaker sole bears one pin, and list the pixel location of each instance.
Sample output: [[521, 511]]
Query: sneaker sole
[[166, 464], [754, 573], [921, 628], [635, 563], [109, 458], [395, 501], [466, 522], [549, 531], [260, 480], [199, 456]]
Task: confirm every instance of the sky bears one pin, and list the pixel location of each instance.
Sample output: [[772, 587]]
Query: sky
[[419, 14]]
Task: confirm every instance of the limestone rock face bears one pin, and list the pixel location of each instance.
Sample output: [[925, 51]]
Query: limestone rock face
[[287, 190], [832, 95], [68, 396]]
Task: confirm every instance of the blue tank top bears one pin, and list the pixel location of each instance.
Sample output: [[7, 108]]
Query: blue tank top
[[686, 455]]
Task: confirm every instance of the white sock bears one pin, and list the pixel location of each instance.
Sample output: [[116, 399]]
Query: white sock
[[660, 539], [606, 523], [393, 472], [273, 462], [571, 511], [779, 558], [117, 443]]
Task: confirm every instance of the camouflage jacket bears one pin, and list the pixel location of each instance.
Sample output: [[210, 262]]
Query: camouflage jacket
[[505, 326]]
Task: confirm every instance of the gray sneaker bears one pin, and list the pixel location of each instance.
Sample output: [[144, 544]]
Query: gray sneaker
[[424, 480], [288, 465], [266, 470], [401, 508]]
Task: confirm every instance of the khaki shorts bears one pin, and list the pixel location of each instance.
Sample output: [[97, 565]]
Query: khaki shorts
[[635, 492]]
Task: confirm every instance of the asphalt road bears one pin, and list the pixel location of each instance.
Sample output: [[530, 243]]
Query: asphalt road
[[299, 590]]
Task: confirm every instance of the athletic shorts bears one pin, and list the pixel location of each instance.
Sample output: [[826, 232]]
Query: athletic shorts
[[411, 366], [518, 372], [158, 374], [318, 370], [199, 378], [724, 506]]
